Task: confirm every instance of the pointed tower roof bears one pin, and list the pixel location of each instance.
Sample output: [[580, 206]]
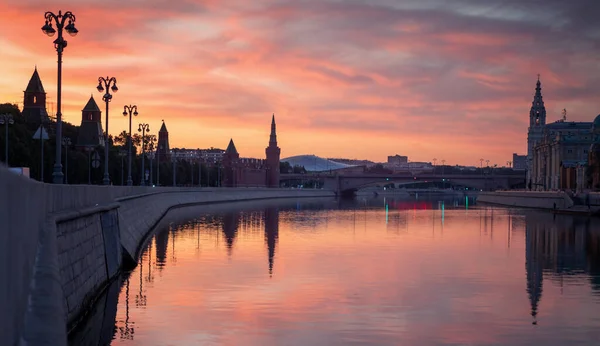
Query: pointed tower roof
[[231, 148], [91, 105], [35, 83], [163, 128], [273, 137]]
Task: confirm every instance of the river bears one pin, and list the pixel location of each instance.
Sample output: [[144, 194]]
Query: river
[[372, 271]]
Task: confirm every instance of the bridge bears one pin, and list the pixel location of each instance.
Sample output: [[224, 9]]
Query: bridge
[[350, 183]]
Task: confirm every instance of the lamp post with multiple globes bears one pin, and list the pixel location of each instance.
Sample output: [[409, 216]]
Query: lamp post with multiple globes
[[59, 44], [106, 84], [131, 110]]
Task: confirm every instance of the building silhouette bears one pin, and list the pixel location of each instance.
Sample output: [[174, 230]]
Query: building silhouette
[[90, 131], [163, 143], [557, 152], [246, 172], [34, 100], [537, 121]]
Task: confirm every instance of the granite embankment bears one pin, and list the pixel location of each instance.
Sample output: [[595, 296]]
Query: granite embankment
[[558, 201], [62, 244]]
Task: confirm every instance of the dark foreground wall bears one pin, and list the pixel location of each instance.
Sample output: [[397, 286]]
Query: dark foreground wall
[[62, 244]]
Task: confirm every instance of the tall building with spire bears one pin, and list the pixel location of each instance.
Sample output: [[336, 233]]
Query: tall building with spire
[[273, 152], [34, 100], [537, 121], [163, 143], [90, 130], [249, 172]]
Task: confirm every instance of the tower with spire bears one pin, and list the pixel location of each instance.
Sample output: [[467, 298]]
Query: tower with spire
[[34, 100], [537, 121], [90, 132], [273, 152], [163, 143]]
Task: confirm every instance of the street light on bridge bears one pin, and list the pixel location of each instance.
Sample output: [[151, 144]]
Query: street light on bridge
[[59, 44], [110, 83]]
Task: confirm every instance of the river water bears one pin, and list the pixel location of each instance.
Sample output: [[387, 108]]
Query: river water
[[364, 272]]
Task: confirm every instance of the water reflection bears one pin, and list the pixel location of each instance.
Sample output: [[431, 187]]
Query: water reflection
[[370, 271]]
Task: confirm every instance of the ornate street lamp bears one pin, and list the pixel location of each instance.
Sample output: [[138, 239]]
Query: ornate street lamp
[[66, 142], [143, 128], [131, 110], [110, 83], [59, 44], [6, 119]]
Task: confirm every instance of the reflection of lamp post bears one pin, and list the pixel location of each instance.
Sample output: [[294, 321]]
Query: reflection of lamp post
[[6, 119], [106, 98], [66, 142], [127, 332], [143, 128], [59, 44], [122, 154], [131, 110], [140, 298]]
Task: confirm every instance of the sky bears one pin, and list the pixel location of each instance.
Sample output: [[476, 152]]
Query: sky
[[451, 80]]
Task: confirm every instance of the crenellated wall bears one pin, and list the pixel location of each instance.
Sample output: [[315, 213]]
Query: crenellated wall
[[61, 245]]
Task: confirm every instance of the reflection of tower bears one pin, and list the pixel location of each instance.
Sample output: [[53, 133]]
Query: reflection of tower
[[162, 242], [271, 234], [231, 223], [163, 144], [273, 153], [34, 100], [533, 267]]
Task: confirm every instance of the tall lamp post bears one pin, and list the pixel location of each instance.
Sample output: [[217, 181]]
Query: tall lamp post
[[131, 110], [173, 163], [151, 145], [143, 128], [66, 142], [110, 83], [122, 154], [6, 119], [59, 44]]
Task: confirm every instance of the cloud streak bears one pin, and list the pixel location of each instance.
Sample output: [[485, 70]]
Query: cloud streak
[[420, 78]]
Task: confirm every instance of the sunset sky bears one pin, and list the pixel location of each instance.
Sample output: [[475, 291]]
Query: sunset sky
[[452, 80]]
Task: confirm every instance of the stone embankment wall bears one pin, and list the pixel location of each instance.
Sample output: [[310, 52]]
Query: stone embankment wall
[[527, 199], [61, 245]]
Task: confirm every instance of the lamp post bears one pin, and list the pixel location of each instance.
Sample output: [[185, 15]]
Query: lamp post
[[6, 119], [59, 44], [131, 110], [443, 168], [151, 145], [509, 164], [143, 128], [174, 161], [110, 83], [89, 151], [481, 165], [122, 154], [66, 142], [158, 164]]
